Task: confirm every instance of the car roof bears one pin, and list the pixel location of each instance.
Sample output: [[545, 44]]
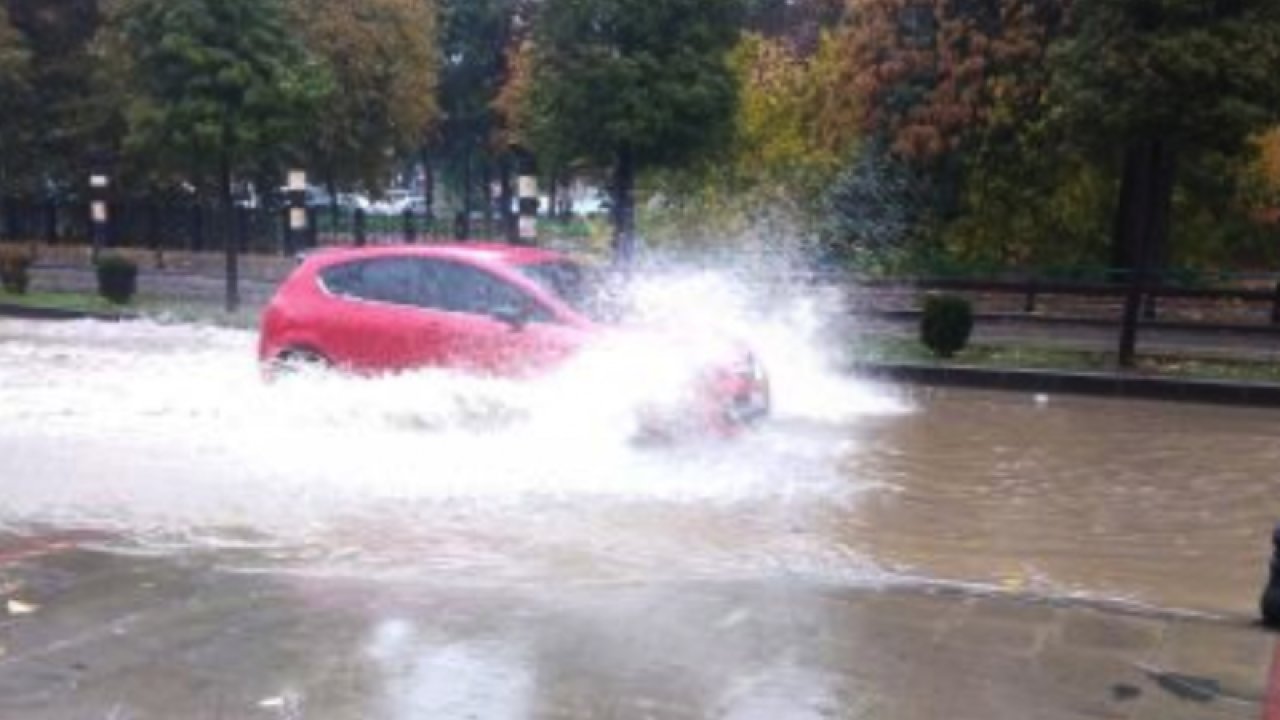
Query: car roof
[[473, 252]]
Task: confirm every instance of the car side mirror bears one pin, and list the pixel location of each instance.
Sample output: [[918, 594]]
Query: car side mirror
[[516, 316]]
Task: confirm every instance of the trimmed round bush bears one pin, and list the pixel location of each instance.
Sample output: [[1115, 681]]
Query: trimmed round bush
[[117, 278], [946, 324], [15, 270]]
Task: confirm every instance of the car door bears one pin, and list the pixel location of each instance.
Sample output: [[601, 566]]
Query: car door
[[380, 321], [484, 334]]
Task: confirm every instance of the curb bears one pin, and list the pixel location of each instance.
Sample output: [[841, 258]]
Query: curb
[[1217, 392], [1051, 321], [26, 312]]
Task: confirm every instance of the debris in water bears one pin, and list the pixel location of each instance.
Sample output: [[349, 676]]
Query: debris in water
[[17, 607]]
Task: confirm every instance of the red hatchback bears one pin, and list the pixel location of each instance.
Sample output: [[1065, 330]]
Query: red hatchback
[[487, 309]]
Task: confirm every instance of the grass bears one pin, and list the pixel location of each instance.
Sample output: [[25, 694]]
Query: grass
[[76, 302], [159, 310], [1032, 357]]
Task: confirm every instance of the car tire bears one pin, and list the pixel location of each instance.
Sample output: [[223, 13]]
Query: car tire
[[299, 360]]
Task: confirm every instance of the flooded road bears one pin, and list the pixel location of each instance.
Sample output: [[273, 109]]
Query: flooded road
[[180, 539], [1162, 504], [163, 439]]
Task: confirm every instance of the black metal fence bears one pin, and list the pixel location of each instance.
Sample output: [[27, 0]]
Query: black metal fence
[[202, 227]]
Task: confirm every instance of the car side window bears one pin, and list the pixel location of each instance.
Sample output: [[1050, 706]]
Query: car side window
[[345, 280], [389, 280], [459, 288], [392, 280]]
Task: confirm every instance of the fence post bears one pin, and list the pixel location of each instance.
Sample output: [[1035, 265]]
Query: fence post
[[1275, 306], [153, 233], [357, 219], [7, 220], [312, 233], [410, 232], [197, 228], [50, 222], [242, 229], [1029, 306]]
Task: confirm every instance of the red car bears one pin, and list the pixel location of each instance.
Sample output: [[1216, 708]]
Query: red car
[[488, 309]]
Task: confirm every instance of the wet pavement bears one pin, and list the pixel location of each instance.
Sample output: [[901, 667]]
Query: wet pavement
[[179, 539], [108, 636]]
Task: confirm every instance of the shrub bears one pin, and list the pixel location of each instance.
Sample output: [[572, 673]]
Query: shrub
[[117, 278], [946, 324], [15, 270]]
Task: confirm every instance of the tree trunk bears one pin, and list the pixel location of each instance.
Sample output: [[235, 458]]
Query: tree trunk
[[553, 199], [486, 178], [332, 186], [428, 185], [463, 225], [230, 242], [1142, 226], [623, 211], [506, 200]]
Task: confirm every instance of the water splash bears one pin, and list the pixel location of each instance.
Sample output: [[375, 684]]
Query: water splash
[[168, 436]]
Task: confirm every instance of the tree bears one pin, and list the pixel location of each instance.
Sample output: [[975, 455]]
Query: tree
[[63, 122], [383, 58], [15, 87], [217, 86], [1269, 146], [793, 127], [630, 85], [799, 24], [476, 37], [1158, 83]]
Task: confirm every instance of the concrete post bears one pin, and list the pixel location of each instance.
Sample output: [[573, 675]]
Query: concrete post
[[99, 212], [528, 193], [297, 220]]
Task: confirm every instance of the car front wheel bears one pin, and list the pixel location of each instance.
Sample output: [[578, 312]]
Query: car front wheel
[[298, 360]]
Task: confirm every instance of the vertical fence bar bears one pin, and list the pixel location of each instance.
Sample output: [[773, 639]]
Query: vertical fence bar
[[7, 219], [358, 220], [410, 230], [153, 232], [242, 228], [50, 221]]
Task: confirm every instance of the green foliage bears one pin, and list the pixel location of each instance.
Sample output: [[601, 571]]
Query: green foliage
[[647, 76], [15, 270], [15, 87], [1200, 73], [216, 85], [383, 57], [946, 324], [1179, 88], [1029, 209], [477, 40], [62, 112], [792, 126], [117, 278], [877, 209]]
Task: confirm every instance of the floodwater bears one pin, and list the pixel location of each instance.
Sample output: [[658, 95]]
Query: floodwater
[[163, 439]]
